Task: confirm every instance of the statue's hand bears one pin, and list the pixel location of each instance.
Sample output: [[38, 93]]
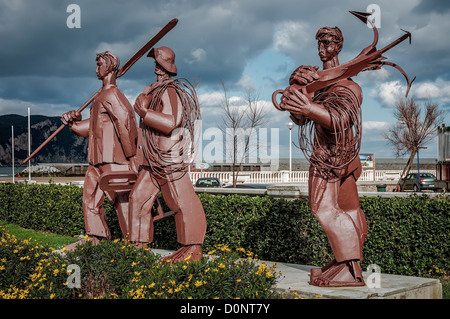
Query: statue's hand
[[304, 74], [70, 117], [141, 104], [296, 102]]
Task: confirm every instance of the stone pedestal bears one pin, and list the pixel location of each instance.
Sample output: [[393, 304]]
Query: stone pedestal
[[295, 278]]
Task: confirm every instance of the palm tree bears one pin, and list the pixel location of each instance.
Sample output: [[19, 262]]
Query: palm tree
[[412, 133]]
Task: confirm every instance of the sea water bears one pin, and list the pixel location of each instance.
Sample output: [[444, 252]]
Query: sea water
[[6, 171]]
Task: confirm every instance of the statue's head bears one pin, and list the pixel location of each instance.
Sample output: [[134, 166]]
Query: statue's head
[[164, 58], [330, 41], [107, 62]]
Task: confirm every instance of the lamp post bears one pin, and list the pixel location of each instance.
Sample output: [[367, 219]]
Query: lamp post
[[290, 125], [29, 145], [418, 167], [12, 153]]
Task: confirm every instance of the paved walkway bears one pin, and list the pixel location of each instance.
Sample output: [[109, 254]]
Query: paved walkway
[[294, 282]]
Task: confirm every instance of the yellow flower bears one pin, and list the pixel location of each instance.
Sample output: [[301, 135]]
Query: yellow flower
[[238, 280], [221, 265], [224, 248], [52, 296]]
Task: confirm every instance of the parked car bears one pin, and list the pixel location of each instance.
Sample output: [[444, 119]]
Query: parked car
[[208, 182], [426, 182], [252, 186]]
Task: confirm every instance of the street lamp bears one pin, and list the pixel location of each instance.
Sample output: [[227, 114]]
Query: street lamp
[[418, 167], [290, 125]]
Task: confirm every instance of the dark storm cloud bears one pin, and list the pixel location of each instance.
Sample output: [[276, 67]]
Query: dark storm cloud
[[44, 61]]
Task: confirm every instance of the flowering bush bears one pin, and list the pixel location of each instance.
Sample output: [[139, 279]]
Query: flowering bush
[[30, 270], [117, 269], [223, 274]]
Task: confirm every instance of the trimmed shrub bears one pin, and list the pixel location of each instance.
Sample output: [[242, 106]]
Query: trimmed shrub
[[407, 236]]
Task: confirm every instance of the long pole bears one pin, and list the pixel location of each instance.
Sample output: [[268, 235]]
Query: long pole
[[418, 167], [29, 144], [290, 151], [12, 152]]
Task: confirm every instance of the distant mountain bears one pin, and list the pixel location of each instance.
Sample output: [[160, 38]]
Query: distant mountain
[[66, 147]]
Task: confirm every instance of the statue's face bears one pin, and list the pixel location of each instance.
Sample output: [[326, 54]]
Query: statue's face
[[159, 70], [102, 68], [328, 49]]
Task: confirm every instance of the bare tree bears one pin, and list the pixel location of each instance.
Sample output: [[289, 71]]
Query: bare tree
[[412, 133], [239, 124]]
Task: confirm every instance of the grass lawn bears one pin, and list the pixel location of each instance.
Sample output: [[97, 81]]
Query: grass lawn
[[53, 240]]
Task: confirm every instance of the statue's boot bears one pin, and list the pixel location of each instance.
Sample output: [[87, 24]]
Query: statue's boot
[[338, 274], [71, 247], [186, 253]]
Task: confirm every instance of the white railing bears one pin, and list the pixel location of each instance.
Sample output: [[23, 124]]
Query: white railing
[[224, 177], [386, 175], [275, 177]]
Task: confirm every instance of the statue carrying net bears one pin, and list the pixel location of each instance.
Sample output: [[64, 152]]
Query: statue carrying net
[[335, 149], [165, 162]]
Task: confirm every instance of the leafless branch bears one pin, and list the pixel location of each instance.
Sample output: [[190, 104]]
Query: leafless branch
[[238, 124]]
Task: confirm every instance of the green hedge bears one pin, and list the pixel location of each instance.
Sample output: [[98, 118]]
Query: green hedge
[[408, 236]]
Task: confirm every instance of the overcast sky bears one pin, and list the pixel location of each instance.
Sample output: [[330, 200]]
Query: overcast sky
[[49, 67]]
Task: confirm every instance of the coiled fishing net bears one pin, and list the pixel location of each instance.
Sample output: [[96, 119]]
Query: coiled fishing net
[[334, 149], [165, 163]]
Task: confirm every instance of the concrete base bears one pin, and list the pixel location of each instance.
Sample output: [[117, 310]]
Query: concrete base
[[294, 283]]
